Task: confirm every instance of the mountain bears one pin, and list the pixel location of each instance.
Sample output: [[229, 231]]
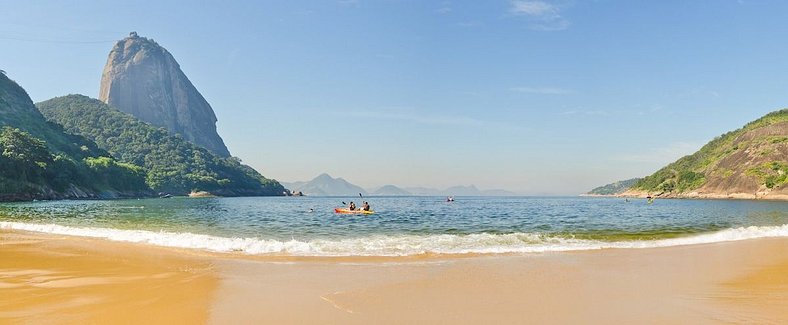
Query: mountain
[[748, 163], [38, 160], [172, 164], [143, 79], [390, 190], [424, 191], [498, 193], [470, 190], [292, 185], [614, 188], [325, 185]]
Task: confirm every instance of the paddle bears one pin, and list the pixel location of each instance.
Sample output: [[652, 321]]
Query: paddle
[[359, 195]]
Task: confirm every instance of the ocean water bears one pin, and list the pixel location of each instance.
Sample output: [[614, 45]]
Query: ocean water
[[403, 226]]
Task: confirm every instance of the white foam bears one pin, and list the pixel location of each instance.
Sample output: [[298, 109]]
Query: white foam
[[380, 245]]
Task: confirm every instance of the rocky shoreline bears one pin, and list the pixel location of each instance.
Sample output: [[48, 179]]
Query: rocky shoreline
[[778, 196], [44, 193]]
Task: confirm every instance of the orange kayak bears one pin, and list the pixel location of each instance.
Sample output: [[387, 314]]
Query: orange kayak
[[348, 211]]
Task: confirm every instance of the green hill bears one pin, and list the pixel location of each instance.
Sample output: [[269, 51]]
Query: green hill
[[173, 165], [614, 188], [751, 162], [40, 161]]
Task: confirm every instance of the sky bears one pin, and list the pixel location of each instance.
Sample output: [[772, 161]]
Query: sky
[[532, 96]]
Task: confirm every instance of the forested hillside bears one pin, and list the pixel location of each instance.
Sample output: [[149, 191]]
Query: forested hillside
[[39, 161], [751, 162], [173, 165]]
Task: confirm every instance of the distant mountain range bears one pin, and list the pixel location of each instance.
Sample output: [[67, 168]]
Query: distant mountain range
[[390, 190], [325, 185]]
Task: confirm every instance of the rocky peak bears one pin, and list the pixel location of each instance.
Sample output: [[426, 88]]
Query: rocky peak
[[143, 79]]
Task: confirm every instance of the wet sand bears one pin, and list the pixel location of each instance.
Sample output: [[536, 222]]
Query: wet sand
[[737, 282], [53, 279]]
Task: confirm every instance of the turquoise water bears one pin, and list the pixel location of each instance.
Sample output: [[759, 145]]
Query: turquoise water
[[403, 225]]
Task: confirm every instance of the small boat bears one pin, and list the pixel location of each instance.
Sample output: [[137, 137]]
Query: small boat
[[348, 211]]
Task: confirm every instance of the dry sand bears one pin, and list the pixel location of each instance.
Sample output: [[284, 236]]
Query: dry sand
[[48, 279], [51, 279]]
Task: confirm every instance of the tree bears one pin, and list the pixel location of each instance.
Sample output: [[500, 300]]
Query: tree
[[172, 164], [26, 156]]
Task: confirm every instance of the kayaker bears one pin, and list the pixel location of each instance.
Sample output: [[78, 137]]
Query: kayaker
[[365, 206], [351, 206]]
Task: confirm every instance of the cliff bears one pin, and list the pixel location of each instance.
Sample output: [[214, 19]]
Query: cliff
[[143, 79], [748, 163]]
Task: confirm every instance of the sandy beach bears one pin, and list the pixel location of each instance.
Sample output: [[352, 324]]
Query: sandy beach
[[59, 279], [49, 279]]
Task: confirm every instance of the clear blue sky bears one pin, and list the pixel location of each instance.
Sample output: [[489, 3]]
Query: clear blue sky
[[537, 97]]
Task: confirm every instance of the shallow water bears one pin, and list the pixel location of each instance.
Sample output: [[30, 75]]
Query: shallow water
[[403, 225]]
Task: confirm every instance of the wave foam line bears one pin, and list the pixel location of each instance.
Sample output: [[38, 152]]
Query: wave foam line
[[379, 245]]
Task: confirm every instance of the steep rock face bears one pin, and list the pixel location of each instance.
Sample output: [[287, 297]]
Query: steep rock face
[[143, 79]]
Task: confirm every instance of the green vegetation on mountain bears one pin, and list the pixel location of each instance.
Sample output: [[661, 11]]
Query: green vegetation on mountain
[[172, 164], [39, 161], [752, 160], [614, 188]]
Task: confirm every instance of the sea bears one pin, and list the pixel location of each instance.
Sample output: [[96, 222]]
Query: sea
[[402, 226]]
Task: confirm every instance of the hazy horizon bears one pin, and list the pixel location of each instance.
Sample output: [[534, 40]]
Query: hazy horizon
[[533, 97]]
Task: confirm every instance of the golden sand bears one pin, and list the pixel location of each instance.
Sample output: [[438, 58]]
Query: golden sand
[[65, 280], [51, 279], [739, 282]]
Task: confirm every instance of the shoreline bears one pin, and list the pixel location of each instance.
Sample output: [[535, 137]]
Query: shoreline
[[628, 194], [395, 247], [95, 280], [689, 196], [767, 196]]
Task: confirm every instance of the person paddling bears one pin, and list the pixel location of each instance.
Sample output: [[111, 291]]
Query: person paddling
[[352, 206], [365, 206]]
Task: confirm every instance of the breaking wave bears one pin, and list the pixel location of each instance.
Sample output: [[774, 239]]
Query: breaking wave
[[392, 245]]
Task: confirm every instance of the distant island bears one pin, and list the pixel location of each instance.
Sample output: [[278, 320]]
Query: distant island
[[325, 185]]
